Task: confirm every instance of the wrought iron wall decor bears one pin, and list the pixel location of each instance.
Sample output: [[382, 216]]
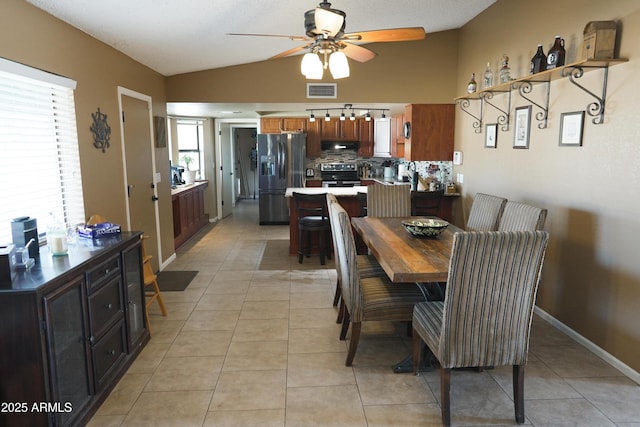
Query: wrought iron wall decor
[[101, 131]]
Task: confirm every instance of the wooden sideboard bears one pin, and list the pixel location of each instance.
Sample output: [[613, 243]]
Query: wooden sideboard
[[188, 211], [70, 326]]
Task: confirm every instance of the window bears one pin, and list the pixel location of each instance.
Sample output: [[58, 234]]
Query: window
[[190, 142], [39, 158]]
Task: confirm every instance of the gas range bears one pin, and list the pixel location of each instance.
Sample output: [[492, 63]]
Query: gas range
[[339, 174]]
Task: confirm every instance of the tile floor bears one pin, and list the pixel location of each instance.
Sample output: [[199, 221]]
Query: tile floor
[[253, 342]]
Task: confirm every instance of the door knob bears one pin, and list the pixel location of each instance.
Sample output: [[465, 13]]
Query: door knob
[[154, 198]]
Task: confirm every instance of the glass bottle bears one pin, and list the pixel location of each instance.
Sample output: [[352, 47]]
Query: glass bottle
[[555, 57], [487, 80], [505, 71], [472, 85], [539, 61]]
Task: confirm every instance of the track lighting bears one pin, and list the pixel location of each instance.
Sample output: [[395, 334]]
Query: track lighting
[[327, 117], [352, 114], [312, 118], [367, 116], [342, 116]]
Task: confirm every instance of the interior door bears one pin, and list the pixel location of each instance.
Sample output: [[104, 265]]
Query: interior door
[[227, 169], [141, 194]]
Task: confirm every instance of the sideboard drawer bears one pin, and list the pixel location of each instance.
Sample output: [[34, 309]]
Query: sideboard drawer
[[105, 307], [109, 352], [98, 275]]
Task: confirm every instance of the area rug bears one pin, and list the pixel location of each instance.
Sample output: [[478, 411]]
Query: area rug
[[174, 281], [276, 257]]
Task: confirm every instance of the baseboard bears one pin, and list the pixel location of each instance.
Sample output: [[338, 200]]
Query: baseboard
[[598, 351]]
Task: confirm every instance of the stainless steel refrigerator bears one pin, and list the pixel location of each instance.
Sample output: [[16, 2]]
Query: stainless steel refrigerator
[[281, 164]]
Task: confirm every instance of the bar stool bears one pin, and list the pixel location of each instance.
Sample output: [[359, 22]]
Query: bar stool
[[313, 217]]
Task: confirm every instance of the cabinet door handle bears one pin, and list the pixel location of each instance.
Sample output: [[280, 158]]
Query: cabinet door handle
[[108, 306], [112, 352], [92, 340]]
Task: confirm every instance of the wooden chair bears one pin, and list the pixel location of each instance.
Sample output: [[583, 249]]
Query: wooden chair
[[426, 203], [486, 211], [485, 318], [519, 216], [367, 264], [313, 217], [152, 290], [384, 201], [366, 299]]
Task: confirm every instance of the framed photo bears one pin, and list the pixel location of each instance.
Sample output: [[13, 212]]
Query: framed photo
[[571, 125], [522, 127], [491, 135]]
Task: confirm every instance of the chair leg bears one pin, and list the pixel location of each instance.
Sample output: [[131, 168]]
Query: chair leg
[[322, 247], [338, 294], [353, 344], [341, 310], [300, 247], [518, 392], [445, 403], [417, 351], [345, 322], [163, 308]]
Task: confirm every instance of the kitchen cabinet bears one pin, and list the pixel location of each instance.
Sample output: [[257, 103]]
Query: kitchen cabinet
[[366, 138], [397, 136], [283, 124], [429, 131], [382, 138], [71, 326], [314, 138], [188, 211], [340, 130]]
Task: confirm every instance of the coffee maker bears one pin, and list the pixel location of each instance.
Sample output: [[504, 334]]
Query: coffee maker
[[176, 175]]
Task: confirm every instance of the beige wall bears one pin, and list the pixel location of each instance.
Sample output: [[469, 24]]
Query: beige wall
[[591, 279], [34, 38]]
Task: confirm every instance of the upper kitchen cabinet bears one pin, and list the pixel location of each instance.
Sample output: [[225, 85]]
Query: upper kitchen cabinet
[[283, 124], [428, 131], [314, 138], [367, 138], [382, 138], [340, 130], [397, 135]]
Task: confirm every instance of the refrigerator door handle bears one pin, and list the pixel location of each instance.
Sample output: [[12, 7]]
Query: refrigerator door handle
[[283, 154]]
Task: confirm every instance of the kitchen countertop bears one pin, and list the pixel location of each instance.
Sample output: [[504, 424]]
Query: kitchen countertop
[[336, 191], [184, 187]]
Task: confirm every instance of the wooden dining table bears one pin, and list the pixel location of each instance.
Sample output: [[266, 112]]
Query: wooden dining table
[[403, 257]]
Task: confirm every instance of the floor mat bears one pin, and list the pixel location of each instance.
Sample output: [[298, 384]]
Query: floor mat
[[276, 257], [169, 281]]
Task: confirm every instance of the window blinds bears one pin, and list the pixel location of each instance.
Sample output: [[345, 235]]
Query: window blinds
[[39, 157]]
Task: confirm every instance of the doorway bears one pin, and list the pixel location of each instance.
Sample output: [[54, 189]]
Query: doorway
[[139, 168]]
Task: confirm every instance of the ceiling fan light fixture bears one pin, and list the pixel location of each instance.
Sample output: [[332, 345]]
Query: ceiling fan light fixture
[[328, 21], [311, 66], [338, 65]]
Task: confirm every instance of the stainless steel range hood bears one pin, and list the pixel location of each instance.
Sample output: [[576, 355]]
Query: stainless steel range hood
[[340, 145]]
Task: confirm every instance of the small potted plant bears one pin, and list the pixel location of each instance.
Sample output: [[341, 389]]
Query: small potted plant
[[188, 176]]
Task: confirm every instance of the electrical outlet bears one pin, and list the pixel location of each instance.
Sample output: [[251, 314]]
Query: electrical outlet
[[457, 157], [460, 178]]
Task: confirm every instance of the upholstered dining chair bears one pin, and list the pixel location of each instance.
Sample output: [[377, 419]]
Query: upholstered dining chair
[[485, 318], [425, 202], [385, 201], [367, 299], [485, 213], [519, 216], [367, 264]]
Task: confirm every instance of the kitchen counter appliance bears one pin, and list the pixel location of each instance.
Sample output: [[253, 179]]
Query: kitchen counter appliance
[[281, 163], [339, 174]]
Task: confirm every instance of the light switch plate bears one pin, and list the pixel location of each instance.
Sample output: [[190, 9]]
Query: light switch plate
[[457, 157], [158, 177]]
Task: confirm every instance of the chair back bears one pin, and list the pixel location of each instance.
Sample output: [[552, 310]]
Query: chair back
[[333, 221], [347, 257], [312, 206], [425, 202], [486, 211], [489, 299], [384, 201], [519, 216]]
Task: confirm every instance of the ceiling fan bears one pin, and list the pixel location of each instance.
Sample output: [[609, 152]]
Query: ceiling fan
[[325, 36]]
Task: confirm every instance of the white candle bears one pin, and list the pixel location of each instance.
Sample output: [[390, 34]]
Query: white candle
[[57, 243]]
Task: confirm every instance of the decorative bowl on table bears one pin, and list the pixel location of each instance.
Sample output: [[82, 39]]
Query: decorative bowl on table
[[425, 227]]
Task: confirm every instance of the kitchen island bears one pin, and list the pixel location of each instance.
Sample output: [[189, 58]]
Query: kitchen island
[[347, 197]]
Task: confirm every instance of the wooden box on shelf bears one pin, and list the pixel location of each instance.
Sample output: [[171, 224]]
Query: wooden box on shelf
[[599, 40]]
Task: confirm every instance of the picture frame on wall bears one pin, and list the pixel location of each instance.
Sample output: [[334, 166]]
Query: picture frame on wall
[[571, 127], [522, 127], [160, 128], [491, 135]]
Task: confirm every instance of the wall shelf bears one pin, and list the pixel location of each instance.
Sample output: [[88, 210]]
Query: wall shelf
[[526, 85]]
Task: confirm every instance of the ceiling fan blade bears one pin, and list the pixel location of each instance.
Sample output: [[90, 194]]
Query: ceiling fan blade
[[298, 38], [390, 35], [290, 51], [358, 53]]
